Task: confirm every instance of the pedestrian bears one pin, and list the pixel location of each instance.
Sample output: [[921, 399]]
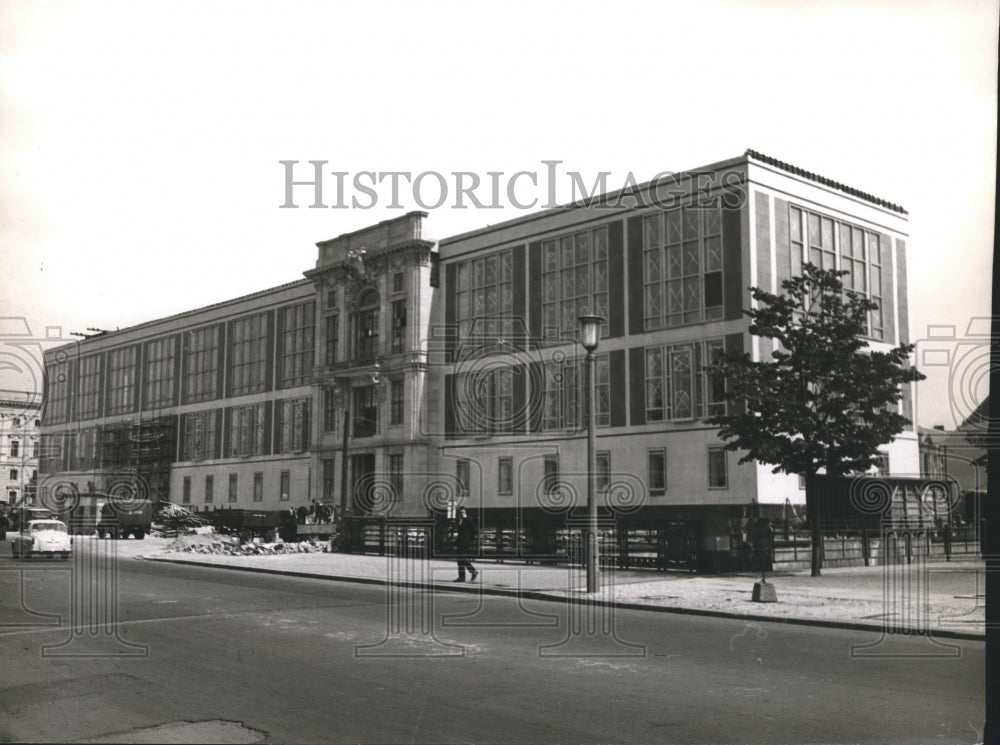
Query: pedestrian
[[465, 544]]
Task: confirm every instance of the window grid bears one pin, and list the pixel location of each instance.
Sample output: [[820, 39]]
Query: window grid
[[246, 430], [57, 392], [201, 363], [682, 261], [677, 386], [121, 374], [248, 354], [297, 344], [484, 401], [295, 425], [285, 485], [233, 487], [484, 297], [838, 245], [88, 399], [574, 282], [159, 385], [199, 435], [209, 489]]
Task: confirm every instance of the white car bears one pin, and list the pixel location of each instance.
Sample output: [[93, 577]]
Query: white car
[[42, 538]]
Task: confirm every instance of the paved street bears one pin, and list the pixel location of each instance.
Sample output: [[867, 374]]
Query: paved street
[[252, 657]]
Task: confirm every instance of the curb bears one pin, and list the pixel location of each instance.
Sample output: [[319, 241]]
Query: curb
[[549, 597]]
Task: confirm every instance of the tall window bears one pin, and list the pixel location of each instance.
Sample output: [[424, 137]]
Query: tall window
[[209, 489], [682, 253], [331, 401], [602, 390], [89, 396], [285, 485], [366, 327], [328, 466], [158, 390], [602, 475], [56, 392], [396, 474], [186, 493], [505, 475], [484, 296], [294, 426], [561, 403], [838, 245], [200, 436], [364, 412], [248, 354], [398, 325], [121, 383], [677, 386], [550, 478], [396, 402], [258, 486], [15, 448], [233, 487], [484, 400], [462, 477], [297, 343], [201, 360], [718, 476], [332, 339], [574, 281], [246, 430], [657, 472]]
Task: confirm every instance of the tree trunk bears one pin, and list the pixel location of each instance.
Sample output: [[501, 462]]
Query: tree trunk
[[812, 511]]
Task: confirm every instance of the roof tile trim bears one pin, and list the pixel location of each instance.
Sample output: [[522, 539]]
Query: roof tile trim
[[825, 181]]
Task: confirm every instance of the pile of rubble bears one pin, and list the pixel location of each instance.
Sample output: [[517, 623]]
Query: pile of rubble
[[216, 544]]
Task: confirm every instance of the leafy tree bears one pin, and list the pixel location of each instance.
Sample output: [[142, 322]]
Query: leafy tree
[[824, 400]]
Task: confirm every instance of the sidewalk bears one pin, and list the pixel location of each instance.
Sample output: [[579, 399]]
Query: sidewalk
[[945, 599]]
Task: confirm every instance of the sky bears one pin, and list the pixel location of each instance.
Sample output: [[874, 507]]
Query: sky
[[140, 142]]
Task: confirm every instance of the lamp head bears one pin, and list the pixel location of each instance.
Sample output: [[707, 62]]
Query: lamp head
[[590, 331]]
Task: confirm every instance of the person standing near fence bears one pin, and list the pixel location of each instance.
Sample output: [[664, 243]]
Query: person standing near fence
[[465, 546]]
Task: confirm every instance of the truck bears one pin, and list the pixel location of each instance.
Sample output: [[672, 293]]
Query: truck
[[110, 516]]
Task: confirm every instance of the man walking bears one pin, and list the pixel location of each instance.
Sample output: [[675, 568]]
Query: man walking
[[465, 545]]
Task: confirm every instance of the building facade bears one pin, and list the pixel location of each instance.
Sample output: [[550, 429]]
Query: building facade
[[668, 265], [20, 429], [403, 376]]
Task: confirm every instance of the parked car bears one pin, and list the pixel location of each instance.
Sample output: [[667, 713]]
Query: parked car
[[42, 538]]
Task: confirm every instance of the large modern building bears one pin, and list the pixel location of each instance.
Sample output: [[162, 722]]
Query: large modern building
[[405, 375]]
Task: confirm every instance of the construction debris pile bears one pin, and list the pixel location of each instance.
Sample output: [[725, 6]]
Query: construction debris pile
[[231, 546], [172, 519]]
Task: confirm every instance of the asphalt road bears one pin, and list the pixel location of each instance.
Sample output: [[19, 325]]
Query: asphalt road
[[154, 652]]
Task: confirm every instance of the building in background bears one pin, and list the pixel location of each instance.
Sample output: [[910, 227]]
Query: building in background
[[402, 377], [20, 429]]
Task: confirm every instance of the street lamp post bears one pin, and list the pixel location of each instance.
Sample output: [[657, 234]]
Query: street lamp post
[[590, 336]]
